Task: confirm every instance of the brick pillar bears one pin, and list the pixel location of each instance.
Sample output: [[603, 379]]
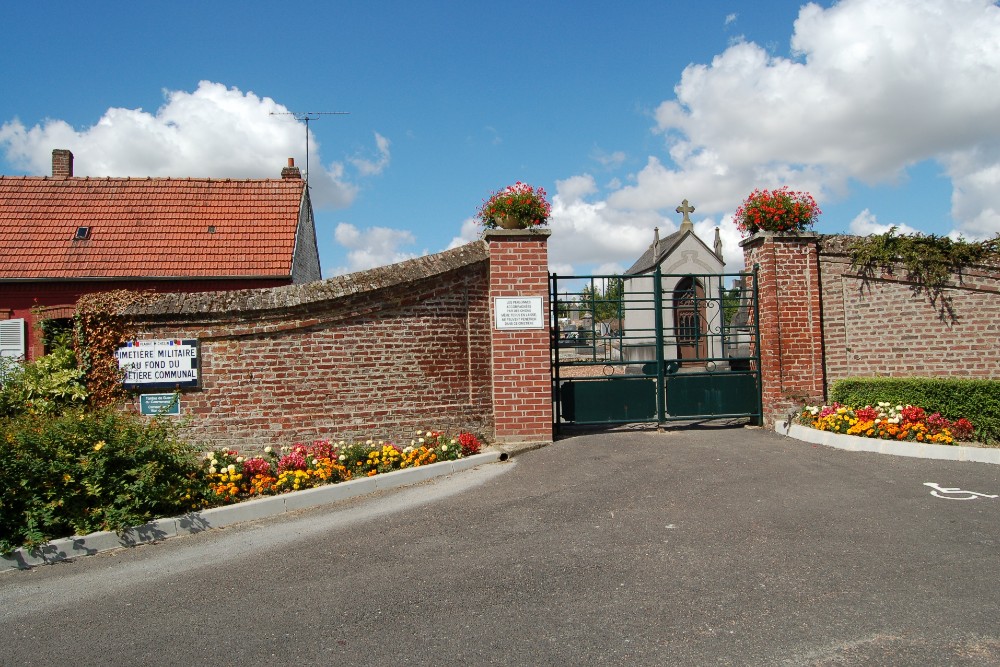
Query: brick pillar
[[791, 329], [522, 385]]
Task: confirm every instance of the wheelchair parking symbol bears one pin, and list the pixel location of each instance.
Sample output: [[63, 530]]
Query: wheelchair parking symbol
[[955, 494]]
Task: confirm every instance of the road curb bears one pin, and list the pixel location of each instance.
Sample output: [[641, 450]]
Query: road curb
[[250, 510], [856, 443]]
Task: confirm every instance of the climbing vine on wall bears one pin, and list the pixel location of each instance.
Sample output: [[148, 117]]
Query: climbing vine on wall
[[929, 262], [101, 326]]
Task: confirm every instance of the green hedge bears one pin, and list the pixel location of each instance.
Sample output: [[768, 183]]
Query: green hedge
[[976, 400], [80, 472]]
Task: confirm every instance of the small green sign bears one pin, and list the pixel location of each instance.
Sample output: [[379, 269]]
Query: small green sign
[[160, 404]]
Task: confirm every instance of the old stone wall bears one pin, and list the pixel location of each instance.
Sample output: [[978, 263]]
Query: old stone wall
[[820, 321], [885, 327], [374, 354]]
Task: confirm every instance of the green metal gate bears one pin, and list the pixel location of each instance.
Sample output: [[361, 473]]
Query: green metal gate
[[654, 348]]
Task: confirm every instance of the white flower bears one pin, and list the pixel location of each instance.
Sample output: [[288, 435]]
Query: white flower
[[268, 449], [239, 459], [231, 468], [208, 457], [429, 434], [420, 440], [444, 448], [315, 462], [341, 458], [370, 442], [211, 470], [215, 461], [407, 450], [340, 444]]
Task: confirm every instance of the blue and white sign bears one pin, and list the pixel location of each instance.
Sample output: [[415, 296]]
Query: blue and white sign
[[160, 363]]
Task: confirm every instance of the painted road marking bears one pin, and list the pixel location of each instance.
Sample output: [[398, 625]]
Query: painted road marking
[[969, 495]]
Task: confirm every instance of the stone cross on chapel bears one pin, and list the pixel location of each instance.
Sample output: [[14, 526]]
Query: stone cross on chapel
[[686, 209]]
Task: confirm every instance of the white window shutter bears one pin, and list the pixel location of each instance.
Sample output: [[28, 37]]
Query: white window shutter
[[12, 338]]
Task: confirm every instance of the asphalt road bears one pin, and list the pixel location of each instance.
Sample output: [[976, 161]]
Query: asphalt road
[[699, 547]]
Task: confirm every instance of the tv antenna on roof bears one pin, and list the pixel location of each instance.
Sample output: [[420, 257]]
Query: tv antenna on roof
[[308, 116]]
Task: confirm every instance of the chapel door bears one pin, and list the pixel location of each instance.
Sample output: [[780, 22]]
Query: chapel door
[[689, 320]]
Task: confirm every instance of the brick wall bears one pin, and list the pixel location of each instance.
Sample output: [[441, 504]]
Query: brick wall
[[373, 354], [884, 328], [820, 322]]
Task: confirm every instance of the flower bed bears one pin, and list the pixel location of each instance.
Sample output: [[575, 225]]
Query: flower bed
[[887, 422], [233, 477]]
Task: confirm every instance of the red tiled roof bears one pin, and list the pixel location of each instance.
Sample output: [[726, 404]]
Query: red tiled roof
[[147, 227]]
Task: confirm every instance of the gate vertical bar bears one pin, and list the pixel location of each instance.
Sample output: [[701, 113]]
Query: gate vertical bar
[[661, 387], [554, 351]]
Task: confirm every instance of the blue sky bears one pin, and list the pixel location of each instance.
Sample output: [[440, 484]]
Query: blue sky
[[885, 110]]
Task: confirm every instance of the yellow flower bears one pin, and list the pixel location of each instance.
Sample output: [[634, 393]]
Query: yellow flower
[[99, 446]]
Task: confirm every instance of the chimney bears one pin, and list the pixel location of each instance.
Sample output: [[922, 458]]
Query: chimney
[[291, 171], [62, 163]]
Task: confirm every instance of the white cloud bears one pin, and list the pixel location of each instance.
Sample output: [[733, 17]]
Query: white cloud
[[585, 233], [975, 201], [875, 88], [470, 231], [376, 246], [372, 167], [731, 18], [213, 131], [866, 223], [610, 160], [575, 188]]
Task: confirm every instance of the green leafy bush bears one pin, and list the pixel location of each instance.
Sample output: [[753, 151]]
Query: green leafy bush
[[976, 400], [80, 472], [48, 385]]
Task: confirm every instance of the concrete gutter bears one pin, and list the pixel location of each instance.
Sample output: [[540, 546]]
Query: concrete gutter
[[219, 517], [856, 443]]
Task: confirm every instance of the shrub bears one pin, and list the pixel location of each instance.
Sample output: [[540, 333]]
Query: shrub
[[953, 399], [48, 385], [81, 472]]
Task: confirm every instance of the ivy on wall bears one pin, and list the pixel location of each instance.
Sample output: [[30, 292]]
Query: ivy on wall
[[929, 262], [101, 326]]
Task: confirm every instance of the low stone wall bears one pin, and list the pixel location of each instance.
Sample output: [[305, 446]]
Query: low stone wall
[[373, 354], [820, 321], [884, 327]]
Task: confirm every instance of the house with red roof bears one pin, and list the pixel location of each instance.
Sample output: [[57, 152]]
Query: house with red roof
[[63, 236]]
